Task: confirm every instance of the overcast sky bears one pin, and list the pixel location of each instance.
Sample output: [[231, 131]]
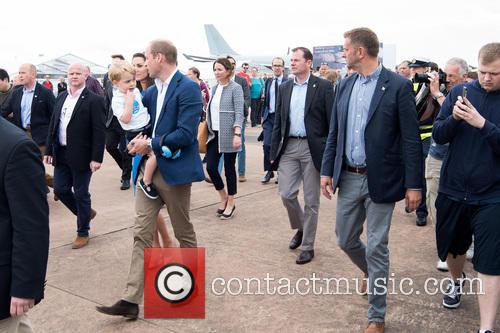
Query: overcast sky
[[36, 31]]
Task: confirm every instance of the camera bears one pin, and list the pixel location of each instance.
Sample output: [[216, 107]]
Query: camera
[[424, 78]]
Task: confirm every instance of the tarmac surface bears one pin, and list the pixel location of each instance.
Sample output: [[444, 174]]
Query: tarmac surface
[[251, 245]]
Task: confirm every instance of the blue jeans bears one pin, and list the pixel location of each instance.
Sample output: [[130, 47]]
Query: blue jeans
[[72, 188]]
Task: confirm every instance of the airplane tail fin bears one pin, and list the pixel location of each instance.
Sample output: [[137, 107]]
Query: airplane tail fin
[[216, 43]]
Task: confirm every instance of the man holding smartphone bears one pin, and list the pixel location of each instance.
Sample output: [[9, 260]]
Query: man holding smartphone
[[468, 203]]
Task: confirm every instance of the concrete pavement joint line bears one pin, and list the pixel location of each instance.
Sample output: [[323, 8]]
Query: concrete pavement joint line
[[97, 303], [191, 210]]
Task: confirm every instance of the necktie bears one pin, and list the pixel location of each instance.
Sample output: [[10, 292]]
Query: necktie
[[275, 93]]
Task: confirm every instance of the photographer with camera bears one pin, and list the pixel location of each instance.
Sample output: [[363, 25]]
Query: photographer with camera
[[455, 72], [427, 110]]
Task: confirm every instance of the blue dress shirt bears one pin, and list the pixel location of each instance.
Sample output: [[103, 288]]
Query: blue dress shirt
[[359, 105]]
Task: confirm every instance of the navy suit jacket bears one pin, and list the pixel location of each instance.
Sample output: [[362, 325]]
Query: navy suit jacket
[[85, 134], [392, 143], [317, 115], [177, 128], [24, 218], [267, 96], [41, 111]]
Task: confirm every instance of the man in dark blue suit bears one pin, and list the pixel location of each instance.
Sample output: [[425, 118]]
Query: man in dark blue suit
[[373, 154], [24, 228], [174, 103], [31, 108], [270, 102]]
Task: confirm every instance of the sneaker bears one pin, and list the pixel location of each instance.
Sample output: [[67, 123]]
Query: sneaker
[[242, 179], [148, 190], [442, 266], [451, 299]]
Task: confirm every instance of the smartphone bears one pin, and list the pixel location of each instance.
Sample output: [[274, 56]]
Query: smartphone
[[464, 92]]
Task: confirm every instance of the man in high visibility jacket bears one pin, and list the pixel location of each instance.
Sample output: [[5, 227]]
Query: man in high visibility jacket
[[427, 110]]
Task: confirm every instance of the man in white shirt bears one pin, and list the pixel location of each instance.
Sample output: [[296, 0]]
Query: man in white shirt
[[75, 146]]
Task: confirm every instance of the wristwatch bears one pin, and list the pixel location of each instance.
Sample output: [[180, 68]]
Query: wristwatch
[[438, 96], [150, 144]]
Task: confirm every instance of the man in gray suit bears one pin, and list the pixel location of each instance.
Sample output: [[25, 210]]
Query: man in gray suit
[[299, 134]]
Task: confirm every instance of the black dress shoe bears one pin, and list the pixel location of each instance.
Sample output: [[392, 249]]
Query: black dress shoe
[[421, 221], [267, 177], [305, 257], [296, 240], [221, 211], [120, 308], [228, 216], [125, 184]]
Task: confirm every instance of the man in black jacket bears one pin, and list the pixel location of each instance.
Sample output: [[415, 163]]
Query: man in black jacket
[[75, 146], [24, 227], [468, 203], [298, 141], [31, 106]]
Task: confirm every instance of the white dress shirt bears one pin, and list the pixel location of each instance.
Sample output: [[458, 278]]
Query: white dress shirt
[[66, 113], [162, 87]]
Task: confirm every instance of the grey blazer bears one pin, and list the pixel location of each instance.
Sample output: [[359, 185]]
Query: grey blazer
[[230, 116]]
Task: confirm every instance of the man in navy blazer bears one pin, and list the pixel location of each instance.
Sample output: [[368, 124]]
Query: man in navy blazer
[[373, 154], [270, 103], [31, 106], [24, 228], [174, 103]]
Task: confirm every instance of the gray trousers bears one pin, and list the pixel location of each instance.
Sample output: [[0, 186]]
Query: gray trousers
[[353, 207], [296, 166]]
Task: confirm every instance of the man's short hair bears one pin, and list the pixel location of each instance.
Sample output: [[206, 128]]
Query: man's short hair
[[166, 48], [4, 75], [472, 75], [117, 56], [365, 38], [489, 53], [244, 64], [279, 58], [404, 62], [461, 63], [116, 71], [307, 53]]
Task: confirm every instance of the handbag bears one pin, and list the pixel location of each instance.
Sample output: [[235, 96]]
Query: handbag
[[203, 136]]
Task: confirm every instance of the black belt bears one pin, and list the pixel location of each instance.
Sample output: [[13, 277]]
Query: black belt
[[297, 137], [359, 170]]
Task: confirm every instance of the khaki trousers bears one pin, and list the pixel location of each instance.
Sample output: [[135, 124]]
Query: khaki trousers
[[177, 199], [18, 324], [432, 174]]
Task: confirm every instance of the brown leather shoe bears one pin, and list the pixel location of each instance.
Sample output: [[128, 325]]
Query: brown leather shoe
[[374, 327], [80, 242], [93, 213]]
